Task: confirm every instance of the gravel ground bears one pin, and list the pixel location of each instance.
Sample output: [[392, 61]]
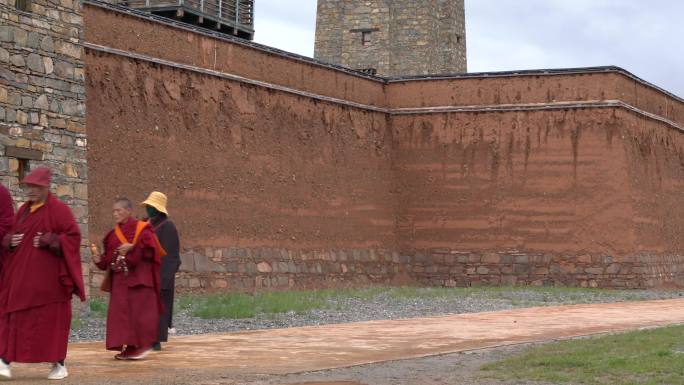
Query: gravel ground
[[386, 306]]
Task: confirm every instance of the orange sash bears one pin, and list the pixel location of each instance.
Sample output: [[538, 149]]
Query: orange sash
[[138, 229]]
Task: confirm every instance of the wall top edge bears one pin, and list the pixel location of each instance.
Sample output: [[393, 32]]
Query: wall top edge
[[389, 80]]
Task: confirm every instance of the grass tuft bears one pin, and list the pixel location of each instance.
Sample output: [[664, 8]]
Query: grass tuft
[[642, 357]]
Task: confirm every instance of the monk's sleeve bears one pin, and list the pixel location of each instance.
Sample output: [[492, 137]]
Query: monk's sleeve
[[144, 249], [108, 255], [69, 238]]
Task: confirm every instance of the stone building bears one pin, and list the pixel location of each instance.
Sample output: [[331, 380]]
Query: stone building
[[42, 98], [393, 37]]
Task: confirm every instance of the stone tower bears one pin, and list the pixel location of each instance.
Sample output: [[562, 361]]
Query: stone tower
[[393, 37], [42, 100]]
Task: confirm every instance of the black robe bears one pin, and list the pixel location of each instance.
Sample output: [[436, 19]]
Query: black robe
[[168, 237]]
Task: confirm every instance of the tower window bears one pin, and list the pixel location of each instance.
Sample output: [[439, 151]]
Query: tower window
[[24, 5], [365, 37], [365, 34]]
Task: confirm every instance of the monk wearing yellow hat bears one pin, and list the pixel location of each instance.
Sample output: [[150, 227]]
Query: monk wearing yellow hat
[[155, 205]]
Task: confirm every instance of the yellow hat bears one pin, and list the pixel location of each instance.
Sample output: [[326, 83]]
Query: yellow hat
[[158, 201]]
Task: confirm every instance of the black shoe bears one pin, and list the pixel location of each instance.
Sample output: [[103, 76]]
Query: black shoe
[[156, 346]]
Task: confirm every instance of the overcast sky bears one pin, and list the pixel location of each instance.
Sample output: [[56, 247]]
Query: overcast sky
[[644, 37]]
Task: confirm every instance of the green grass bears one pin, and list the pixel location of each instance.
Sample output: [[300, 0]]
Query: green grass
[[98, 307], [236, 305], [643, 357]]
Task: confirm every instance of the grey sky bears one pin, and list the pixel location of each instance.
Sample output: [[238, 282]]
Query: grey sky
[[640, 36]]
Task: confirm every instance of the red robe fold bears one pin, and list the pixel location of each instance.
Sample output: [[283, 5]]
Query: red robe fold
[[134, 303], [37, 284]]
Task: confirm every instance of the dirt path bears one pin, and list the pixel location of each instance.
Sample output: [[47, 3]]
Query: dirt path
[[250, 356]]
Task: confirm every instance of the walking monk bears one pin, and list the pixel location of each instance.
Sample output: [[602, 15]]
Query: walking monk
[[41, 271], [132, 259], [155, 205]]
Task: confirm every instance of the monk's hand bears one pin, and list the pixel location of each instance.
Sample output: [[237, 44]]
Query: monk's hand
[[95, 254], [36, 239], [125, 248], [16, 240]]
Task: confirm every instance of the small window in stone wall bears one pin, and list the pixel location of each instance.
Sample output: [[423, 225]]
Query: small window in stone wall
[[366, 37], [24, 168], [24, 5]]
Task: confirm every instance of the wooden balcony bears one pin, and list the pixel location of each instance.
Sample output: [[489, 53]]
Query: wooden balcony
[[235, 17]]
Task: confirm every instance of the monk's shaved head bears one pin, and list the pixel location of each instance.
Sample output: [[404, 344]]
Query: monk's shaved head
[[124, 202], [122, 209]]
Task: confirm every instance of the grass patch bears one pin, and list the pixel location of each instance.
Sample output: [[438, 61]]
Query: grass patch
[[642, 357], [237, 305], [98, 307]]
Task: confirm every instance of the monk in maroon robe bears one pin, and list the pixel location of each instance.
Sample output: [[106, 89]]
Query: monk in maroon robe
[[132, 260], [41, 271]]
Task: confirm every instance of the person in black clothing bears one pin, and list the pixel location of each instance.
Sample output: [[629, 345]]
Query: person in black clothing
[[155, 205]]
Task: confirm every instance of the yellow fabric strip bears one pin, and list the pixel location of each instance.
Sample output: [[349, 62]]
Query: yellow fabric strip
[[36, 206]]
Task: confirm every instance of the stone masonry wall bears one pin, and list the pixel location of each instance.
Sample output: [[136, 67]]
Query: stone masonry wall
[[42, 99], [258, 269], [402, 38]]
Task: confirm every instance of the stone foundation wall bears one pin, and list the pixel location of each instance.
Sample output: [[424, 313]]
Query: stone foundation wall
[[262, 269]]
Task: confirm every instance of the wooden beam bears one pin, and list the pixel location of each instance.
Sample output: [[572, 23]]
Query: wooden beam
[[23, 153]]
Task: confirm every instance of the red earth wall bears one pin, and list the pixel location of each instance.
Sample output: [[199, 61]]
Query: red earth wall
[[279, 189]]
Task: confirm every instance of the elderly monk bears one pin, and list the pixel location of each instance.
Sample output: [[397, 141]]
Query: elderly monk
[[132, 259], [41, 272], [155, 206]]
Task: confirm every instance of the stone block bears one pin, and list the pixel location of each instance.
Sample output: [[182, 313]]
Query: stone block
[[594, 270], [491, 258], [20, 37], [522, 259], [42, 102], [6, 33], [4, 55], [64, 69], [68, 49], [22, 118], [49, 67], [613, 268], [47, 44], [64, 191], [34, 39], [18, 61], [264, 267], [81, 191], [187, 261], [35, 63]]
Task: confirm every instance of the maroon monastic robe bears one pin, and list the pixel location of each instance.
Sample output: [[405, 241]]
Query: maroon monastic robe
[[37, 284], [134, 303]]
